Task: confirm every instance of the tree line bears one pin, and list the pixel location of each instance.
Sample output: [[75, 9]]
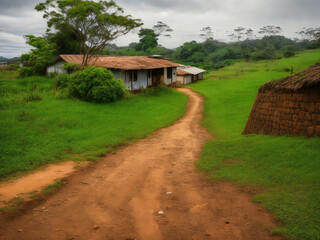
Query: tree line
[[88, 28]]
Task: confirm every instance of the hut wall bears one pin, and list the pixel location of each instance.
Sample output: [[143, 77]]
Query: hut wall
[[286, 113], [56, 68]]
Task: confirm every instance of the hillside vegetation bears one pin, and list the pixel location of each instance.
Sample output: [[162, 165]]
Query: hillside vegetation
[[39, 127], [285, 171]]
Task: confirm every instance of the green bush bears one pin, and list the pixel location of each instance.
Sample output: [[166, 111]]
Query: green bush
[[102, 94], [64, 80], [223, 54], [52, 75], [25, 72], [71, 67], [13, 66], [96, 84], [33, 94], [263, 54]]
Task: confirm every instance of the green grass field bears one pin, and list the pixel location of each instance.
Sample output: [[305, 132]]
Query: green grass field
[[36, 132], [287, 169]]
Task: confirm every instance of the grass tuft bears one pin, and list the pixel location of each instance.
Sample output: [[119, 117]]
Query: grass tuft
[[52, 187], [7, 209]]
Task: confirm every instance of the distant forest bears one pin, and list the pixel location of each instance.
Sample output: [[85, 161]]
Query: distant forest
[[90, 33], [213, 54]]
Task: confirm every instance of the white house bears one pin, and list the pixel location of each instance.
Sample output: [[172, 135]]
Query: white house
[[4, 64], [189, 74], [135, 72]]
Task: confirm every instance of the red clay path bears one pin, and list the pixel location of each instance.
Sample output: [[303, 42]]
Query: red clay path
[[150, 190]]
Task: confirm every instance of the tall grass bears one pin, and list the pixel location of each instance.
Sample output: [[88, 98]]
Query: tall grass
[[287, 168], [39, 130]]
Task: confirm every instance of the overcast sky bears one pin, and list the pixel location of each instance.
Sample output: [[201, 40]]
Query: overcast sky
[[185, 17]]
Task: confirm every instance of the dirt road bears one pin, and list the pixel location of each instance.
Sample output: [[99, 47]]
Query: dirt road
[[149, 190]]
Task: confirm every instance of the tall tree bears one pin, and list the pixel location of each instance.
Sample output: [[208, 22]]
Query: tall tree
[[148, 39], [94, 23], [163, 29], [309, 34], [270, 30], [239, 32], [66, 41], [207, 33], [249, 33], [41, 55]]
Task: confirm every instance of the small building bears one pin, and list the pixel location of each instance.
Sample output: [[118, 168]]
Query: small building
[[189, 74], [184, 77], [289, 106], [135, 72], [4, 64]]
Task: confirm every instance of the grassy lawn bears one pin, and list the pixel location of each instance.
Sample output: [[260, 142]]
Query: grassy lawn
[[36, 132], [287, 169]]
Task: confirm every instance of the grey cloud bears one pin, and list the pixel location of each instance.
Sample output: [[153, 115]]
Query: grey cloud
[[186, 6], [186, 17], [17, 8]]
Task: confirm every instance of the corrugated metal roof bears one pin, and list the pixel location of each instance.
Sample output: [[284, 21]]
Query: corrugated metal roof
[[122, 62], [182, 73], [193, 70]]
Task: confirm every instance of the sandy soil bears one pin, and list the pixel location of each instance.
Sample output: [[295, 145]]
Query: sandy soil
[[149, 190], [36, 181]]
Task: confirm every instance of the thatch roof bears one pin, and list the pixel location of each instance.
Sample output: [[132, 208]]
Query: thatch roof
[[309, 77], [122, 62]]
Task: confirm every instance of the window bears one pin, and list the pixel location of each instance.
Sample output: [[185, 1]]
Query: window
[[169, 73]]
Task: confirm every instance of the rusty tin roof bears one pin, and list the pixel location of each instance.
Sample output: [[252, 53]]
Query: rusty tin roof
[[182, 73], [122, 62]]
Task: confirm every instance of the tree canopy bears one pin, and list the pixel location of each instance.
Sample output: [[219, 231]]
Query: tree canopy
[[41, 55], [148, 39], [94, 23], [162, 28]]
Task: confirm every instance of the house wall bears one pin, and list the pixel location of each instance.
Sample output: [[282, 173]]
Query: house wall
[[187, 79], [142, 82], [180, 80], [3, 64], [286, 113], [56, 68], [168, 81]]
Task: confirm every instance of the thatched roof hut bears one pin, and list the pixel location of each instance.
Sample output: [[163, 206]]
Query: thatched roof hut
[[289, 106], [308, 78]]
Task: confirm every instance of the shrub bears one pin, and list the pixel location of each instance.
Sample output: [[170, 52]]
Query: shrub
[[96, 85], [288, 54], [222, 64], [33, 94], [71, 67], [13, 66], [223, 54], [64, 80], [263, 54], [102, 94], [288, 51], [52, 75], [24, 72]]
